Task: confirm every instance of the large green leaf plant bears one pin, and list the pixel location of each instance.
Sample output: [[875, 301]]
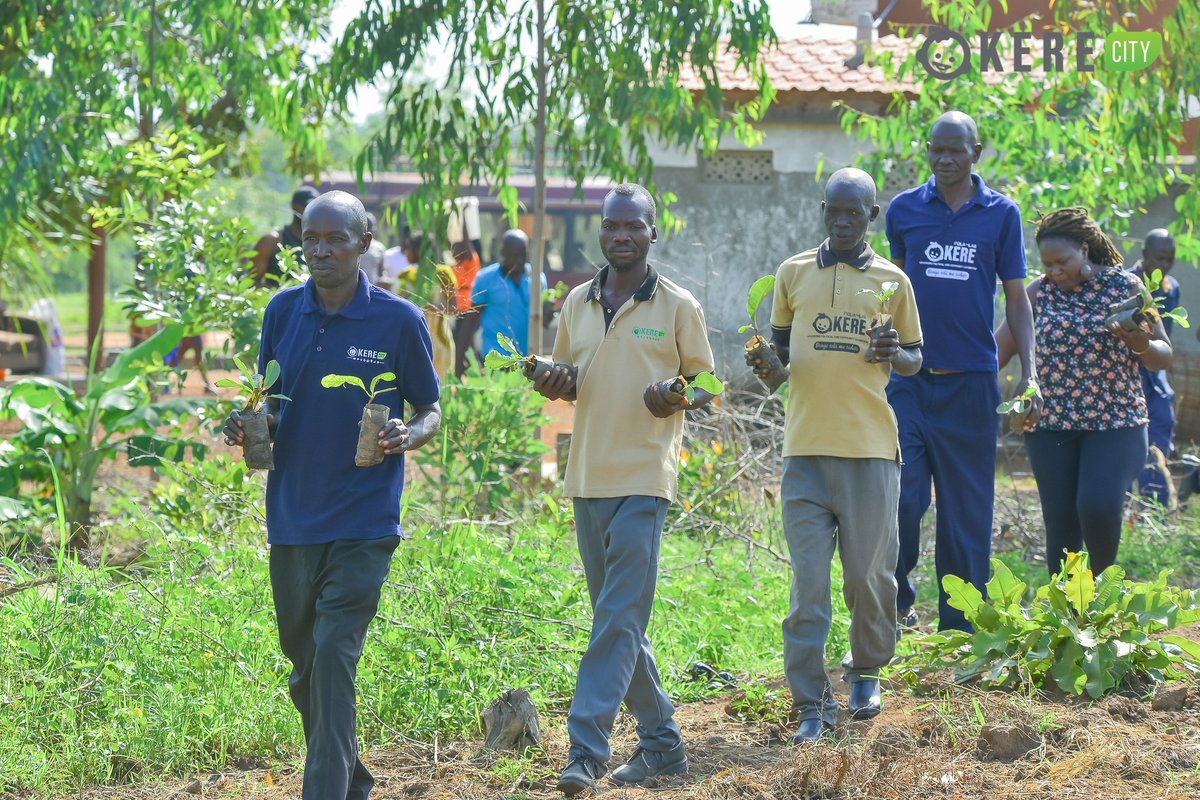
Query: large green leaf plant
[[1088, 634], [68, 436]]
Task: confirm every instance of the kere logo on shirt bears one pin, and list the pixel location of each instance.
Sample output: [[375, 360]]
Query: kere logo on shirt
[[366, 356], [950, 261]]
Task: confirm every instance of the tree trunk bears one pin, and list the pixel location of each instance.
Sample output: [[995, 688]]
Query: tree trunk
[[511, 722], [539, 190], [96, 290]]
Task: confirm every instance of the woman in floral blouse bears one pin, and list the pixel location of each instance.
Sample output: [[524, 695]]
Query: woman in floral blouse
[[1090, 441]]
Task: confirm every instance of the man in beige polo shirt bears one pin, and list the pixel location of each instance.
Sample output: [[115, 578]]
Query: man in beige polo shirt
[[841, 474], [627, 331]]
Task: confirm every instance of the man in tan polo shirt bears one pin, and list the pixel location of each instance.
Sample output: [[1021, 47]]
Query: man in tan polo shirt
[[627, 331], [841, 473]]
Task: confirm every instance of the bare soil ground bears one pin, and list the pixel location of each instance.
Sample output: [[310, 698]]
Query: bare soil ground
[[919, 747]]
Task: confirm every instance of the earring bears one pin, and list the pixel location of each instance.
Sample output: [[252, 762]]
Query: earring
[[1086, 271]]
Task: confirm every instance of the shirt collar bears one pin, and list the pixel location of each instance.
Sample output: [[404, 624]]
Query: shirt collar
[[645, 291], [355, 309], [826, 258], [982, 195]]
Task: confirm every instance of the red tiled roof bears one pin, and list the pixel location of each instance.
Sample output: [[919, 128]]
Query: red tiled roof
[[812, 65]]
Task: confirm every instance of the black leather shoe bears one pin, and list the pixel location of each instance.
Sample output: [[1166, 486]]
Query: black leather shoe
[[811, 730], [865, 700], [581, 773]]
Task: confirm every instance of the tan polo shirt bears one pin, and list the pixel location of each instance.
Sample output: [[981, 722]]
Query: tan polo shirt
[[837, 405], [618, 448]]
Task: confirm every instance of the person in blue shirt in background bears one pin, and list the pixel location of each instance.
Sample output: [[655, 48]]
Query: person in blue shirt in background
[[500, 295], [954, 236], [333, 526], [1158, 253]]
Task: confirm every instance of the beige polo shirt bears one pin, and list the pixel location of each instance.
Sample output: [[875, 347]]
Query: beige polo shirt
[[618, 448], [837, 404]]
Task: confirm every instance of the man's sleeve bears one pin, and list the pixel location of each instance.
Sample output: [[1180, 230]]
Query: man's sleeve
[[419, 380], [691, 340], [895, 237], [1010, 256], [905, 317], [781, 306], [479, 291], [562, 337]]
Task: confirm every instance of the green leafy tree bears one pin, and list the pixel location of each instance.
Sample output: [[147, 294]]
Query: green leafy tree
[[1108, 139], [79, 82], [587, 83]]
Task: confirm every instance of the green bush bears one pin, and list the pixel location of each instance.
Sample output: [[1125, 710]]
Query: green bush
[[486, 438], [1086, 634]]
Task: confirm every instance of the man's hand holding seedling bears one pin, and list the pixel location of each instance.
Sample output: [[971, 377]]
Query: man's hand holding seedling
[[666, 398], [556, 384], [236, 436], [885, 348]]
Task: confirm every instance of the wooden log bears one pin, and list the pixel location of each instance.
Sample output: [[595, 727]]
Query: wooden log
[[511, 722]]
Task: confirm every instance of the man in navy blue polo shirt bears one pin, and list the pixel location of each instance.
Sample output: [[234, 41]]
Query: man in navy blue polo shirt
[[333, 526], [955, 237]]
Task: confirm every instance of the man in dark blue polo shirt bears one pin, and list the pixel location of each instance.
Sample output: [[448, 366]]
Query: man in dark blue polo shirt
[[1158, 253], [955, 237], [333, 526]]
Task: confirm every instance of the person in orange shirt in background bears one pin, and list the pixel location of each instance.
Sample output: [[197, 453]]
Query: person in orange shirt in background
[[466, 267]]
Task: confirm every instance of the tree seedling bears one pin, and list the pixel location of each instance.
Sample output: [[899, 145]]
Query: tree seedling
[[369, 451], [256, 444], [1144, 310], [531, 366], [881, 320], [758, 349], [679, 390], [1018, 408]]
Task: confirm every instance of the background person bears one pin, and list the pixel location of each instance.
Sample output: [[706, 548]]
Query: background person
[[1090, 442], [265, 267], [500, 295], [1158, 253], [466, 268]]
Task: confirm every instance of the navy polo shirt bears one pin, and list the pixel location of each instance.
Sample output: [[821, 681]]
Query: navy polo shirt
[[315, 494], [953, 260]]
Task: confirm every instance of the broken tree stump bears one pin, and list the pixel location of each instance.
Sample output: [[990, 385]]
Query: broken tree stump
[[511, 722]]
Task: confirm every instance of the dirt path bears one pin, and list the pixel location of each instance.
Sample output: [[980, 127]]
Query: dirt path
[[920, 747]]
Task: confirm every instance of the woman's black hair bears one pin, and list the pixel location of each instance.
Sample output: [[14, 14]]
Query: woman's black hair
[[1074, 224]]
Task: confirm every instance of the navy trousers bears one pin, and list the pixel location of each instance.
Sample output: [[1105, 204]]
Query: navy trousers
[[1160, 404], [325, 596], [948, 432]]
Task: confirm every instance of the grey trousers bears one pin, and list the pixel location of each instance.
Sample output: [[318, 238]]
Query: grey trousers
[[850, 504], [325, 596], [618, 543]]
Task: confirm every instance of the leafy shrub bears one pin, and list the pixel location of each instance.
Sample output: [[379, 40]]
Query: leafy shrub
[[486, 436], [1086, 634]]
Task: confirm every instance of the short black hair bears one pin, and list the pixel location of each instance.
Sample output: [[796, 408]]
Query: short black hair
[[305, 195], [636, 190]]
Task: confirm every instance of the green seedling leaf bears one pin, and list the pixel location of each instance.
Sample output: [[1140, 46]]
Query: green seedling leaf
[[334, 381], [272, 374], [1020, 403], [758, 292], [227, 383], [510, 346], [1180, 315], [709, 383], [383, 376], [744, 328], [241, 365], [497, 360]]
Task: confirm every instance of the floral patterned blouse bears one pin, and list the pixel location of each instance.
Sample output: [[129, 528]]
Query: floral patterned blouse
[[1089, 378]]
